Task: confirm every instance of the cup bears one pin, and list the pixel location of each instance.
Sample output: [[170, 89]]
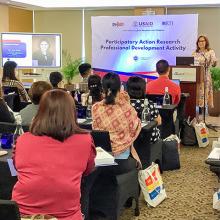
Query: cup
[[7, 141]]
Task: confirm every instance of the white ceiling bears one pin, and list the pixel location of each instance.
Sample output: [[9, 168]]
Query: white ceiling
[[57, 4]]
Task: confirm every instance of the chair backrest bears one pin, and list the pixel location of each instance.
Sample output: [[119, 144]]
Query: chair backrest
[[6, 127], [9, 99], [102, 139], [157, 98], [14, 90], [9, 210]]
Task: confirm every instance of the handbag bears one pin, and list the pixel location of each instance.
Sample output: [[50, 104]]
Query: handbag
[[201, 134], [170, 153], [152, 185], [188, 134], [38, 216]]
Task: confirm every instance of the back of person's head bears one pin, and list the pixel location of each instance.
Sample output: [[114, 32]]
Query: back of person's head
[[84, 69], [56, 116], [55, 78], [37, 90], [95, 87], [9, 71], [136, 87], [162, 67], [111, 86]]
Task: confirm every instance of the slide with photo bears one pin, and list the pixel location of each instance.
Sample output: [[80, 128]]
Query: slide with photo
[[30, 50]]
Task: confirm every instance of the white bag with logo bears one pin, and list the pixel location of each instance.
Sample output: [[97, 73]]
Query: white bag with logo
[[202, 134], [152, 185]]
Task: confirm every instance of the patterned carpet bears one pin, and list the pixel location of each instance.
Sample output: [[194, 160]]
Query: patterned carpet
[[189, 190]]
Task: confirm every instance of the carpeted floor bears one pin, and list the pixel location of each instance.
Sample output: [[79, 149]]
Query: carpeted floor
[[189, 190]]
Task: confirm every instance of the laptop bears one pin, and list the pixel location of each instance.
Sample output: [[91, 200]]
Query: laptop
[[185, 61], [176, 81]]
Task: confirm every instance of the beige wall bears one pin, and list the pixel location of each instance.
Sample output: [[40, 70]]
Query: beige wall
[[20, 20], [68, 23], [4, 23]]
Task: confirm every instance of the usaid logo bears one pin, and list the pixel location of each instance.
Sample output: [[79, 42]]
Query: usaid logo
[[143, 23], [117, 24]]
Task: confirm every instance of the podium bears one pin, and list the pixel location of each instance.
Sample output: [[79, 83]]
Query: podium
[[190, 78]]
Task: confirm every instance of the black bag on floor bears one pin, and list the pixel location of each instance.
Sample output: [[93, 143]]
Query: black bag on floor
[[188, 134], [170, 155]]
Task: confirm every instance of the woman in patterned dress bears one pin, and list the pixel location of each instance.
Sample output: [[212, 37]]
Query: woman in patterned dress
[[205, 56]]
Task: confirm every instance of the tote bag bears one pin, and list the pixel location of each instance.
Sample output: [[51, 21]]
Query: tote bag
[[152, 185], [201, 134], [216, 200]]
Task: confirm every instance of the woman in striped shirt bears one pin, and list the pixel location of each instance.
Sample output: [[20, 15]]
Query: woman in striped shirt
[[9, 80]]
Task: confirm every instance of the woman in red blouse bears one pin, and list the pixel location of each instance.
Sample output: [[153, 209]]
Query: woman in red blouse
[[51, 160]]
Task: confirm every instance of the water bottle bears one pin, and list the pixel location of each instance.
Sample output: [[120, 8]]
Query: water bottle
[[166, 97], [89, 108], [77, 94], [18, 131], [145, 115]]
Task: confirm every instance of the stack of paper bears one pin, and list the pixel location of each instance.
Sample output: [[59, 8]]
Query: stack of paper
[[103, 157], [215, 154], [215, 144]]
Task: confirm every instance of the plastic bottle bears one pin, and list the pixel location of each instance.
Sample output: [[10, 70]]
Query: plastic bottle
[[145, 115], [89, 108], [18, 131], [77, 94], [166, 97]]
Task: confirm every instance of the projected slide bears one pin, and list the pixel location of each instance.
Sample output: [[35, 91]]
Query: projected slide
[[32, 50], [135, 43]]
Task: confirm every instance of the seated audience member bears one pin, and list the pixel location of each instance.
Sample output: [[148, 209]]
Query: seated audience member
[[136, 88], [158, 86], [56, 80], [95, 88], [116, 115], [85, 71], [59, 153], [9, 79], [6, 114], [36, 91]]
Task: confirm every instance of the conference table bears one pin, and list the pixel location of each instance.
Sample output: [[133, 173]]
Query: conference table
[[167, 126]]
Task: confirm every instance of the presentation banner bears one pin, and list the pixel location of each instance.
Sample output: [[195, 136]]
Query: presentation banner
[[133, 44]]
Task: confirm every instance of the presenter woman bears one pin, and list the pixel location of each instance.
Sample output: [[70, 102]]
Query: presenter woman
[[205, 56]]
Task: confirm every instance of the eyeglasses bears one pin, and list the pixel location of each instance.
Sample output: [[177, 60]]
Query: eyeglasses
[[200, 41]]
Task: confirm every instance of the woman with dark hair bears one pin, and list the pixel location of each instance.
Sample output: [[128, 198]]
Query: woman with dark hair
[[9, 79], [6, 115], [59, 153], [56, 79], [136, 87], [95, 88], [205, 56], [115, 114]]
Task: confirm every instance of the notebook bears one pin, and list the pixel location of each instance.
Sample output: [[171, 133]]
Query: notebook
[[103, 157]]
